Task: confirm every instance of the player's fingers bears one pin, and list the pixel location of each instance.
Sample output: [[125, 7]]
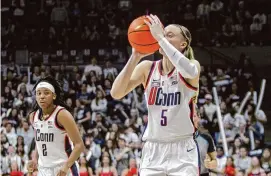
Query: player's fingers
[[153, 17], [150, 20], [157, 20], [148, 23]]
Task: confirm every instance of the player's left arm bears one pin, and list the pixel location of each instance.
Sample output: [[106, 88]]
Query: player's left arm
[[66, 120], [189, 69]]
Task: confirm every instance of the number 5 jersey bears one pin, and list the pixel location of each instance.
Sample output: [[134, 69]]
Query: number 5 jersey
[[170, 106]]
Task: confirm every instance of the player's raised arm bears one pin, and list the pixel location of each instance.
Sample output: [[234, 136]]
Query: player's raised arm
[[67, 121], [132, 75], [188, 68]]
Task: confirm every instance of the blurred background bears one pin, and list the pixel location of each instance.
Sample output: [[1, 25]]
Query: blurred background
[[84, 44]]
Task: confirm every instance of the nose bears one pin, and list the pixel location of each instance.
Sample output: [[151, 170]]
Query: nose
[[42, 96]]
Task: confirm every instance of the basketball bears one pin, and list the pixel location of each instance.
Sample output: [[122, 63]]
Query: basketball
[[140, 37]]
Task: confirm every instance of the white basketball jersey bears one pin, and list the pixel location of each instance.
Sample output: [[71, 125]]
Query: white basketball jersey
[[52, 142], [170, 106]]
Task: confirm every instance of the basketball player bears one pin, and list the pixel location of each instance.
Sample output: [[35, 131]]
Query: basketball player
[[55, 132], [170, 86]]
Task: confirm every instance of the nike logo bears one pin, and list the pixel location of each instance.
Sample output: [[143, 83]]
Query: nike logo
[[189, 150]]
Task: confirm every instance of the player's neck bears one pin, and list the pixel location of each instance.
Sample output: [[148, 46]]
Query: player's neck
[[167, 66], [49, 110]]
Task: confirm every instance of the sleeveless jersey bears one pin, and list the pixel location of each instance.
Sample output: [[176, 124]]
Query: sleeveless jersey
[[52, 142], [169, 100]]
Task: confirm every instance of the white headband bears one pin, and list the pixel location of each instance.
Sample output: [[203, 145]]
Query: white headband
[[46, 85]]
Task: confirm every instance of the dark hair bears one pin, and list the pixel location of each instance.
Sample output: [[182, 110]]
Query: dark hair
[[231, 160], [58, 91]]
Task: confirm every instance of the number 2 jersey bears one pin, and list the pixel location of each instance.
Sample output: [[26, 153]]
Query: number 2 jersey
[[169, 100], [52, 141]]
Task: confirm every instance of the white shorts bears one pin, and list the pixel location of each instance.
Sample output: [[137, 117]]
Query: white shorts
[[52, 171], [170, 159]]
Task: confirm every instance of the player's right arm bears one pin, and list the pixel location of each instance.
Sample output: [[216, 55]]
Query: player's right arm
[[132, 75], [32, 164]]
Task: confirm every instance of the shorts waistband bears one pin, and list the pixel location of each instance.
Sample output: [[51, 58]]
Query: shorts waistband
[[174, 140]]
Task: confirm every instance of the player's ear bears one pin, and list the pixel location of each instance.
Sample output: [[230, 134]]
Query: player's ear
[[183, 45], [54, 96]]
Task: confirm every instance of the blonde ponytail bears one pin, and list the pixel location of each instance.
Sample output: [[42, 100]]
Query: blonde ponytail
[[189, 53]]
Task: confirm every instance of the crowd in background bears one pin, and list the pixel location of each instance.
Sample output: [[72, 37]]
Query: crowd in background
[[112, 129], [64, 24]]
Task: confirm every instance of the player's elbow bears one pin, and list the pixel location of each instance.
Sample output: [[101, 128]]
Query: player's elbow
[[81, 146], [116, 95]]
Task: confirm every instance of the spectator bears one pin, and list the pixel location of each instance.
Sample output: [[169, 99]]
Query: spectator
[[15, 170], [27, 134], [84, 96], [93, 151], [20, 142], [255, 31], [234, 150], [230, 168], [221, 162], [83, 168], [209, 107], [132, 138], [99, 104], [82, 115], [203, 13], [132, 170], [93, 67], [242, 162], [11, 135], [228, 33], [266, 160], [255, 168], [122, 155], [107, 168], [13, 157], [109, 70], [59, 14], [261, 16]]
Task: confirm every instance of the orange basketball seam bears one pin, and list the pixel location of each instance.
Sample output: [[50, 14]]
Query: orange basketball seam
[[143, 44], [138, 31]]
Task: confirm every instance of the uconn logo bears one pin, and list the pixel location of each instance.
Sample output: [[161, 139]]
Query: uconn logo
[[157, 97]]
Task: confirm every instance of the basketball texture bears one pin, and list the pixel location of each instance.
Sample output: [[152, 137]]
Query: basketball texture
[[140, 37]]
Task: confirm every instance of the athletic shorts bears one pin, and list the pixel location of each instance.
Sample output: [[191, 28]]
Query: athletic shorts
[[52, 171], [170, 159]]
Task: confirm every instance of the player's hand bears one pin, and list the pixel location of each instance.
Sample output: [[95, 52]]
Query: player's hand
[[139, 55], [210, 164], [31, 166], [155, 26], [63, 171]]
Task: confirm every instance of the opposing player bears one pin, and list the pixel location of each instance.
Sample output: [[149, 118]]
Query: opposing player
[[58, 142], [170, 86]]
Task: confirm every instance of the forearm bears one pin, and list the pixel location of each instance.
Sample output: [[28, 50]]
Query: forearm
[[183, 64], [121, 82], [78, 148]]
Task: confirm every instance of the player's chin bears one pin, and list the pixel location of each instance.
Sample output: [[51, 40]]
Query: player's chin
[[43, 104]]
